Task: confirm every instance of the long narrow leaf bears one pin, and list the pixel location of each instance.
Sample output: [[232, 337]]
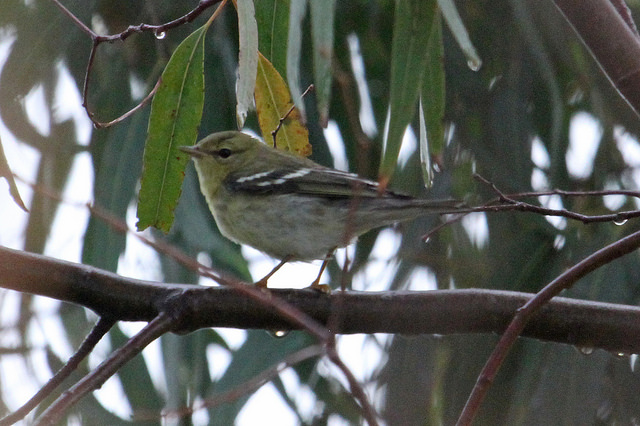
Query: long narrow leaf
[[247, 59], [272, 17], [322, 27], [176, 111], [432, 101], [459, 31], [425, 155], [412, 26], [294, 49]]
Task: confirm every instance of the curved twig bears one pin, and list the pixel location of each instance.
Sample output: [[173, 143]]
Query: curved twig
[[96, 40], [523, 315], [103, 325]]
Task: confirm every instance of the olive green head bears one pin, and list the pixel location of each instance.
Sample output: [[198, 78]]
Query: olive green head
[[220, 154]]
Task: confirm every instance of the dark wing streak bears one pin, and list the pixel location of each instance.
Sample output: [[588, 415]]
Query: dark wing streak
[[323, 182]]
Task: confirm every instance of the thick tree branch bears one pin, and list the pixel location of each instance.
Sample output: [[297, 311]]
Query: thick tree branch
[[613, 43], [587, 324]]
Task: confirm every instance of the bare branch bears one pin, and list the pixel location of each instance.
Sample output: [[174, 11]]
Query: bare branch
[[96, 40], [129, 113], [103, 325], [524, 314], [75, 20], [601, 325], [95, 379], [274, 132], [613, 43], [354, 386], [251, 385]]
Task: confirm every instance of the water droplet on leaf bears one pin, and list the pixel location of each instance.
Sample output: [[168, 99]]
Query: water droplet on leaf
[[474, 64], [585, 350], [620, 221]]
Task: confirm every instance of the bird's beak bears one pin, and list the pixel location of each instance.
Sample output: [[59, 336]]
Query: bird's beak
[[192, 151]]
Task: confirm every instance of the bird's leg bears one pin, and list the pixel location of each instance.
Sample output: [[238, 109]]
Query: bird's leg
[[263, 281], [316, 283]]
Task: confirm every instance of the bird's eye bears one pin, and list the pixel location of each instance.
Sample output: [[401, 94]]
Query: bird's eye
[[224, 153]]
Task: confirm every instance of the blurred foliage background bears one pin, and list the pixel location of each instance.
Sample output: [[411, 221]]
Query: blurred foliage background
[[511, 121]]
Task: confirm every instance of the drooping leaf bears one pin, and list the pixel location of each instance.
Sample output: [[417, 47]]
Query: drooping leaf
[[425, 155], [247, 59], [459, 31], [176, 111], [272, 17], [5, 172], [433, 88], [273, 102], [294, 49], [412, 26], [432, 102], [322, 27]]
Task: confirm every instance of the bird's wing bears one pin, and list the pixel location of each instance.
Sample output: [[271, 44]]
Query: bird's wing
[[310, 181]]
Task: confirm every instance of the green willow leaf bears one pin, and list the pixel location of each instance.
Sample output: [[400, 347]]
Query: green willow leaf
[[272, 17], [413, 20], [176, 111], [459, 31], [432, 101], [247, 59], [297, 12], [322, 27], [425, 154]]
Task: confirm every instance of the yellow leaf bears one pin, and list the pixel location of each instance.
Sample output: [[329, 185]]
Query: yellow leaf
[[273, 102]]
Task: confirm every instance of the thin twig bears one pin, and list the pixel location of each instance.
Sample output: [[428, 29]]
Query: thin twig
[[251, 385], [87, 75], [493, 187], [75, 19], [563, 281], [129, 113], [513, 205], [99, 330], [95, 379], [96, 40], [134, 29], [561, 192], [508, 202], [355, 387], [274, 132]]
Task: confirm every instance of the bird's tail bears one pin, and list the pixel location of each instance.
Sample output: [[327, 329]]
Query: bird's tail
[[448, 206]]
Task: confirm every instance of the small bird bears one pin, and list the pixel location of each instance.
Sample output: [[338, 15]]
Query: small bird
[[289, 207]]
